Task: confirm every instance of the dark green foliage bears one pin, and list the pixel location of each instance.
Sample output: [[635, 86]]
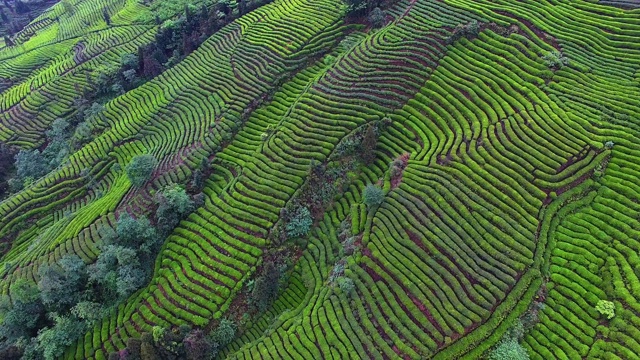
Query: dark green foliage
[[147, 348], [198, 346], [88, 311], [117, 272], [133, 233], [173, 204], [299, 223], [368, 145], [61, 284], [140, 169], [133, 349], [106, 17], [23, 313], [469, 31], [346, 285], [372, 195], [30, 164], [224, 333], [377, 18], [53, 341], [265, 289]]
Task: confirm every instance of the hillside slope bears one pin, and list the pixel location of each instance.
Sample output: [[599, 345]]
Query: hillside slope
[[510, 184]]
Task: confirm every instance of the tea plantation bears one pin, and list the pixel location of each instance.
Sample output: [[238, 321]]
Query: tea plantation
[[321, 179]]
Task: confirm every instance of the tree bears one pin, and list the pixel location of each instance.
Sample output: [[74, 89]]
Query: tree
[[30, 163], [61, 284], [68, 7], [133, 348], [173, 204], [140, 169], [24, 314], [509, 349], [106, 17], [368, 146], [377, 18], [147, 349], [266, 287], [133, 233], [372, 195], [224, 333], [198, 347], [88, 311], [117, 272], [53, 341], [555, 59], [299, 223]]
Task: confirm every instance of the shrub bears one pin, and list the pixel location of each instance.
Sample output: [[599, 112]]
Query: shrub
[[140, 168], [372, 195], [300, 222], [555, 59], [609, 144], [607, 308], [509, 349]]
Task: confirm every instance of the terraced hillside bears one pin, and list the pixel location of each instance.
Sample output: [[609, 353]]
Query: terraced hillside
[[454, 179]]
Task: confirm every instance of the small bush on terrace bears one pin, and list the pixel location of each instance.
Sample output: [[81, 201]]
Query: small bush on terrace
[[555, 59], [140, 168], [607, 308], [372, 195]]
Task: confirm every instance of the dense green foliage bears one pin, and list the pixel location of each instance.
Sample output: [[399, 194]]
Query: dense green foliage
[[140, 168]]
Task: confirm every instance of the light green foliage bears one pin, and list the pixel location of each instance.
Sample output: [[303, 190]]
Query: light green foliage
[[606, 308], [372, 195], [509, 349], [140, 168], [300, 222], [555, 59], [157, 332]]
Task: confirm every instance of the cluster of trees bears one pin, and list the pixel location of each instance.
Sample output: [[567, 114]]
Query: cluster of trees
[[40, 320], [178, 343], [62, 138], [178, 38]]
